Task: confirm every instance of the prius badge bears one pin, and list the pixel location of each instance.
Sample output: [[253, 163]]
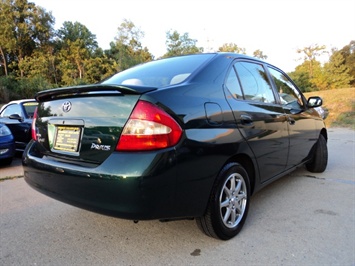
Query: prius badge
[[66, 106]]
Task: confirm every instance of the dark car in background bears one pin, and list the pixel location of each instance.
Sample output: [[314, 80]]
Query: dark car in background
[[18, 116], [7, 145], [184, 137]]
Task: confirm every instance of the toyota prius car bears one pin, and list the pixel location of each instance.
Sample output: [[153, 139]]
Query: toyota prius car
[[191, 136]]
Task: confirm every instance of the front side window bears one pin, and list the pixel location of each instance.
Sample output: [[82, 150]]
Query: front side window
[[288, 93], [255, 83], [13, 109]]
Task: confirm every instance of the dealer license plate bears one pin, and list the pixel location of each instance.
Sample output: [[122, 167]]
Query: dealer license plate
[[67, 138]]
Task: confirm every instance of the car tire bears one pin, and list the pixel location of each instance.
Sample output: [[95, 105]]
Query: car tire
[[6, 161], [228, 204], [319, 160]]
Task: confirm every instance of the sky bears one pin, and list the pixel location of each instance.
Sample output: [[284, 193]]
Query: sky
[[276, 27]]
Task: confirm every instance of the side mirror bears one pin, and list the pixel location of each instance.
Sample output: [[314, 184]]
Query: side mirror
[[314, 101], [16, 117]]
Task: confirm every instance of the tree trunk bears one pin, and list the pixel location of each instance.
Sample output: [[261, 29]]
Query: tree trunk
[[4, 63]]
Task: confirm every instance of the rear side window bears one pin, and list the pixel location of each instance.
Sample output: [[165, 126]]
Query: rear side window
[[232, 84], [255, 83]]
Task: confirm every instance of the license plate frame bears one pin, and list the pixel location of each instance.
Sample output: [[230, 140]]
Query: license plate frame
[[67, 138]]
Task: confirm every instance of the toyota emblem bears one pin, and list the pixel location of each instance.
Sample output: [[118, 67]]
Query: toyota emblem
[[66, 106]]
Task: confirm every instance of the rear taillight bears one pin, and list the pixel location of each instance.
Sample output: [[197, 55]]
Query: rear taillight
[[149, 128], [33, 127]]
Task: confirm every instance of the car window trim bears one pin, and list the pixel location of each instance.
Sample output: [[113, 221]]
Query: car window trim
[[275, 88], [264, 66]]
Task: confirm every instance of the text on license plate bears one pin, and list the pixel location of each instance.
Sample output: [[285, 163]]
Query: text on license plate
[[67, 138]]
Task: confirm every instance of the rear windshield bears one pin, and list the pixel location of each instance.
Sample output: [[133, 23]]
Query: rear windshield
[[160, 73], [30, 108]]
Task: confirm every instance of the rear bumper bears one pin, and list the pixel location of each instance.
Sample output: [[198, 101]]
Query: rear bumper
[[130, 186], [20, 146]]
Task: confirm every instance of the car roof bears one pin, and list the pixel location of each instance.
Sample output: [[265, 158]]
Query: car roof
[[17, 102], [22, 101]]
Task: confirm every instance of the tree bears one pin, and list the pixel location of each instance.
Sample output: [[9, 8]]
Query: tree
[[337, 72], [180, 44], [99, 67], [8, 86], [301, 77], [127, 50], [76, 44], [24, 27], [129, 35], [348, 53], [259, 54], [319, 80], [76, 31], [40, 64], [232, 47], [310, 53]]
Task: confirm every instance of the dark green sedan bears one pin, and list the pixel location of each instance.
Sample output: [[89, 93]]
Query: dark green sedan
[[193, 136]]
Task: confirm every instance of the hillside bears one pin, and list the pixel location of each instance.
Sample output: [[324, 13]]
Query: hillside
[[340, 104]]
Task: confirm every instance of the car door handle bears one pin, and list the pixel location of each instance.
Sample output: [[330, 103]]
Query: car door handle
[[246, 120]]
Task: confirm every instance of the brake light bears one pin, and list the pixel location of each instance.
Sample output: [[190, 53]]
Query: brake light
[[33, 126], [149, 128]]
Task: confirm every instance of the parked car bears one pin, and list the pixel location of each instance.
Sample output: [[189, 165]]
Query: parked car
[[18, 116], [7, 145], [189, 137]]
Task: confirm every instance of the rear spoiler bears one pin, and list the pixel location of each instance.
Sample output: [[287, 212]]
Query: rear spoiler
[[98, 88]]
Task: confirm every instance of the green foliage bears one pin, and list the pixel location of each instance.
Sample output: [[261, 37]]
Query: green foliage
[[24, 27], [79, 34], [259, 54], [232, 47], [40, 64], [127, 51], [13, 89], [301, 77], [337, 72], [310, 53], [348, 54], [28, 87], [180, 44], [8, 86], [76, 46], [129, 35], [33, 56]]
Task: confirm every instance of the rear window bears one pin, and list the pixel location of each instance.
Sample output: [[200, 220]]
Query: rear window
[[30, 108], [160, 73]]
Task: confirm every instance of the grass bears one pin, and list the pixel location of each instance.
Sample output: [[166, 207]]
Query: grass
[[340, 104]]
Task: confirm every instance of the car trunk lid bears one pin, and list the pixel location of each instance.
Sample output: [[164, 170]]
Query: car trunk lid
[[83, 124]]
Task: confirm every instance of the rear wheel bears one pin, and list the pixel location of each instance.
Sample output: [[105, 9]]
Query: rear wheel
[[319, 160], [6, 161], [228, 205]]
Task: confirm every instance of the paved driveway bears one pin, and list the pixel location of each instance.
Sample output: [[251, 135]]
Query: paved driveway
[[302, 219], [13, 170]]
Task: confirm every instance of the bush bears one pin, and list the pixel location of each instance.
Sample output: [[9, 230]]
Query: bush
[[8, 86]]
